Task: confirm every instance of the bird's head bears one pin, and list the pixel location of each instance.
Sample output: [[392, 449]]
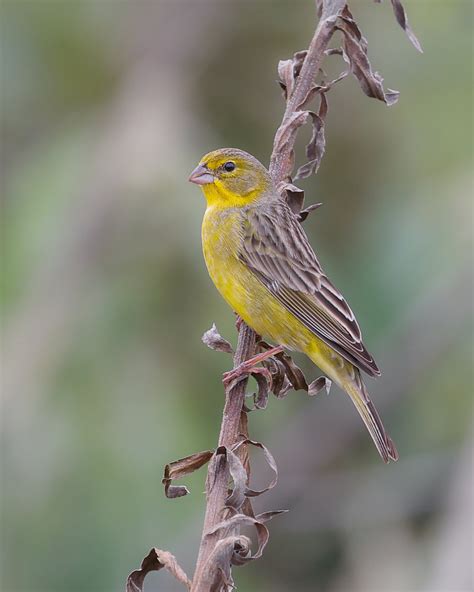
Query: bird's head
[[231, 178]]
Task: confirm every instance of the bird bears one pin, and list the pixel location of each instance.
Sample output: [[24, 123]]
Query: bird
[[260, 260]]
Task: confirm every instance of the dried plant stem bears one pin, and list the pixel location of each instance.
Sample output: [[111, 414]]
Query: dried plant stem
[[280, 161], [231, 426], [280, 167]]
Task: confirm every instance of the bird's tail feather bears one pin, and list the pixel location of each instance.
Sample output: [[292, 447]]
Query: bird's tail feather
[[360, 397]]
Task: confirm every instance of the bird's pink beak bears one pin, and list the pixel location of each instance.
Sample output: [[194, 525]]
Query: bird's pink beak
[[201, 175]]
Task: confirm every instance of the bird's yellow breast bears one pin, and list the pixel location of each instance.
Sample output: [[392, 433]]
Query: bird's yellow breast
[[249, 298]]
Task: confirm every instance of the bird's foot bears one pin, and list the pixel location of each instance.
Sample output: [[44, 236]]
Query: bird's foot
[[238, 322], [244, 370]]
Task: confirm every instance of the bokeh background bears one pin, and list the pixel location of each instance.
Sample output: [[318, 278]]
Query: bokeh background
[[107, 105]]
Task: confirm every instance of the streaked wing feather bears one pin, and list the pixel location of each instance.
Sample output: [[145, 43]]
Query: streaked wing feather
[[277, 251]]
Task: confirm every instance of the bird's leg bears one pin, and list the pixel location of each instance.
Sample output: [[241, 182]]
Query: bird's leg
[[249, 366], [238, 322]]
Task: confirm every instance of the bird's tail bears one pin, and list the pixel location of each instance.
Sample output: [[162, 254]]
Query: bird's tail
[[348, 378], [357, 391]]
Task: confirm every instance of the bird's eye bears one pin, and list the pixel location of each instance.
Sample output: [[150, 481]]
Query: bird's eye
[[229, 166]]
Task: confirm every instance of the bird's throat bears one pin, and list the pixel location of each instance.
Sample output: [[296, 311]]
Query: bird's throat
[[218, 195]]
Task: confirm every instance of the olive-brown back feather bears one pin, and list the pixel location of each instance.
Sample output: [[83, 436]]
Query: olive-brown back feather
[[277, 251]]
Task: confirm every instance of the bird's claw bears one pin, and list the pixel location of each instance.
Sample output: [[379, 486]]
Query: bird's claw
[[238, 323], [235, 375], [244, 370]]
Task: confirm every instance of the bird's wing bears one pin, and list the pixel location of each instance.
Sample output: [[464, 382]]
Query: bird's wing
[[276, 249]]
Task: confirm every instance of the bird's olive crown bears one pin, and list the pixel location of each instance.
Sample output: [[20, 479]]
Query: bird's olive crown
[[236, 172]]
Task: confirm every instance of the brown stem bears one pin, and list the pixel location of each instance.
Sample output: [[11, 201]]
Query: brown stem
[[216, 491], [232, 422], [282, 154]]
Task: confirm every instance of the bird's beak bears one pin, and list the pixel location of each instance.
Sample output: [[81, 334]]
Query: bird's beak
[[201, 175]]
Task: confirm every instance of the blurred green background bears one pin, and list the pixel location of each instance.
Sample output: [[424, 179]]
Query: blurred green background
[[107, 106]]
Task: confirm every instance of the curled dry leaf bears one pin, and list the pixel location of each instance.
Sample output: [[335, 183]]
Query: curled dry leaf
[[238, 474], [353, 27], [233, 548], [239, 520], [293, 372], [271, 463], [290, 127], [402, 20], [280, 383], [287, 374], [286, 77], [215, 341], [355, 51], [318, 385], [288, 72], [261, 397], [221, 559], [154, 561], [287, 365], [317, 144], [307, 211], [323, 87], [294, 196], [313, 91], [285, 137], [257, 372], [298, 59], [180, 468]]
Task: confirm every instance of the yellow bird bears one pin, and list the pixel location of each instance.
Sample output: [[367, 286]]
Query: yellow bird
[[260, 260]]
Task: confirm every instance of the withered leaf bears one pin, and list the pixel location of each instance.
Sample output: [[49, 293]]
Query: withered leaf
[[218, 565], [353, 27], [239, 520], [242, 550], [355, 50], [317, 144], [271, 463], [293, 372], [285, 137], [154, 561], [402, 20], [318, 385], [280, 383], [305, 213], [293, 195], [285, 366], [291, 125], [215, 341], [288, 72], [313, 91], [286, 374], [236, 497], [298, 59], [286, 77], [259, 373], [180, 468], [261, 397]]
